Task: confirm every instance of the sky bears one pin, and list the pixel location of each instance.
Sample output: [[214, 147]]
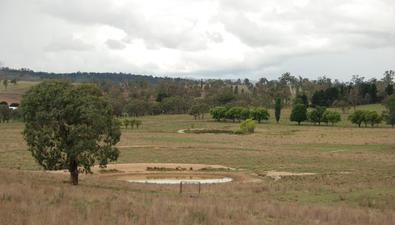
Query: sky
[[202, 39]]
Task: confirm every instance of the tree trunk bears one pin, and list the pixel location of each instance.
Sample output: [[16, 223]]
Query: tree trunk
[[74, 173]]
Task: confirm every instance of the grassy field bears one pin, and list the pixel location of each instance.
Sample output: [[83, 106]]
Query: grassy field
[[353, 181], [13, 93]]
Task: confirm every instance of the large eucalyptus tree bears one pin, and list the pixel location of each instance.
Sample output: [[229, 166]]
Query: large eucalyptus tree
[[69, 127]]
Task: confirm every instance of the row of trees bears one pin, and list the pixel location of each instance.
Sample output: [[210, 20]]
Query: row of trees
[[319, 114], [239, 113], [132, 122], [360, 116], [372, 117]]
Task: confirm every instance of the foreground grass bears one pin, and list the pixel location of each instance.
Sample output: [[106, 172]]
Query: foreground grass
[[353, 182]]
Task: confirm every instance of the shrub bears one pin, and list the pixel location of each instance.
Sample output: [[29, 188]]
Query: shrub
[[248, 125]]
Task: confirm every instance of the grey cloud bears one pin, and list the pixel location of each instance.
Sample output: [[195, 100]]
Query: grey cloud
[[115, 44], [65, 42]]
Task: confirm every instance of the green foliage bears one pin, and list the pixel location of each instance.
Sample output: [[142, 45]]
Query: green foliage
[[357, 117], [343, 105], [389, 90], [365, 116], [15, 114], [245, 114], [316, 116], [248, 125], [69, 127], [218, 113], [332, 117], [373, 118], [277, 109], [224, 98], [126, 122], [4, 113], [132, 122], [194, 111], [260, 114], [138, 123], [389, 114], [239, 131], [301, 99], [299, 113], [234, 113]]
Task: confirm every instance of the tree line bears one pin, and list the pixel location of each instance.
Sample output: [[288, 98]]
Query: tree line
[[140, 96]]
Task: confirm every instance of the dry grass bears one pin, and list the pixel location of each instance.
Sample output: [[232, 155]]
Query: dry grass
[[353, 182], [41, 198]]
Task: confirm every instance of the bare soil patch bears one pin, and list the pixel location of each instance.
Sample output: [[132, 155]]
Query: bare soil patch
[[176, 168]]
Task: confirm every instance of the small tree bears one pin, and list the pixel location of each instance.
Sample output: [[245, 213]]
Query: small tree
[[331, 117], [218, 113], [248, 125], [343, 105], [357, 117], [245, 114], [277, 109], [389, 114], [194, 111], [5, 83], [138, 123], [234, 113], [4, 113], [260, 114], [373, 117], [204, 108], [126, 122], [316, 116], [132, 122], [299, 113]]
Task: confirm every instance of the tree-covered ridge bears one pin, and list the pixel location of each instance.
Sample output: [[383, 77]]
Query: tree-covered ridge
[[27, 74]]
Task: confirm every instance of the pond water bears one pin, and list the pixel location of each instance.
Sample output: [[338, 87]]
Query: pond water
[[175, 179]]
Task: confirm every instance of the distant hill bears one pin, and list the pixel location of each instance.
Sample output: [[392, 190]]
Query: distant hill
[[77, 77]]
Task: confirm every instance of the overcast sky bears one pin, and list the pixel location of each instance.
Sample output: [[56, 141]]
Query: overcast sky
[[225, 39]]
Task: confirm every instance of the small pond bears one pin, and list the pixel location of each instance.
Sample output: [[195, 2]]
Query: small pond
[[175, 179], [209, 131]]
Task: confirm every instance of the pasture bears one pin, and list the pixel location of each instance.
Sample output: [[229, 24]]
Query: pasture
[[352, 177]]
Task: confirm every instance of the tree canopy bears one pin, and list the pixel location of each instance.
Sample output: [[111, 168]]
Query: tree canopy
[[389, 114], [299, 113], [69, 127], [260, 114]]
